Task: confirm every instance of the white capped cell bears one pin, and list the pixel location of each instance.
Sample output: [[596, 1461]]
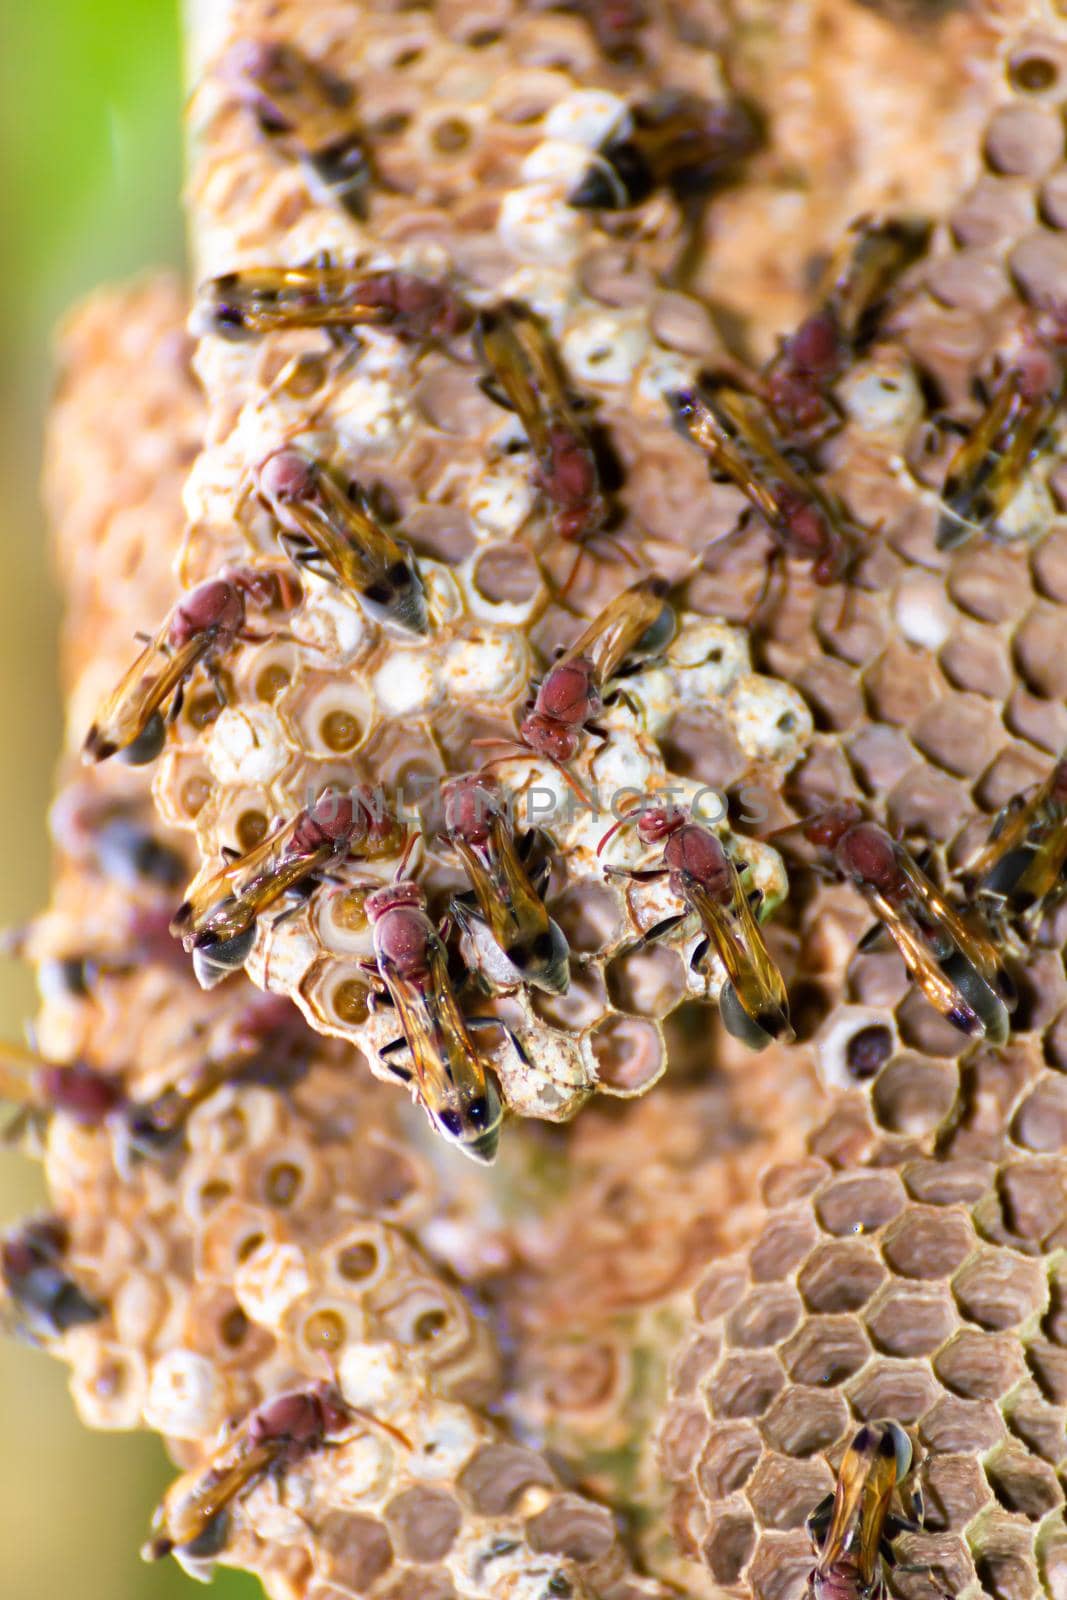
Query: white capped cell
[[502, 497], [605, 347], [245, 745], [588, 117], [405, 683], [493, 664], [770, 719], [185, 1399], [555, 163], [536, 223]]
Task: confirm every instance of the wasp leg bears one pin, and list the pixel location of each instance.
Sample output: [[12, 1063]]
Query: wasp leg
[[817, 1524], [496, 1022], [637, 874], [659, 930], [492, 391], [403, 1073]]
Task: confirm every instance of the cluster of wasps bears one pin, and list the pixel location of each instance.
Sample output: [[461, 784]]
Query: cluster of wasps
[[760, 435]]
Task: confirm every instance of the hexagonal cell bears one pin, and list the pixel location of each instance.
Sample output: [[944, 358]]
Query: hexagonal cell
[[859, 1202], [1038, 653], [805, 1420], [784, 1242], [924, 1029], [853, 1045], [497, 1477], [352, 1550], [764, 1317], [907, 1320], [957, 733], [701, 744], [650, 982], [961, 1181], [744, 1385], [955, 1490], [1026, 140], [929, 1244], [780, 1566], [987, 583], [629, 1054], [1033, 1197], [729, 1544], [1040, 1124], [423, 1584], [968, 1427], [589, 915], [681, 1440], [583, 1005], [998, 1290], [572, 1527], [840, 1276], [892, 1388], [901, 685], [974, 659], [979, 1366], [696, 1357], [1039, 264], [914, 1095], [720, 1288], [423, 1523], [1038, 1424], [1048, 1364], [1022, 1483], [825, 1351], [782, 1490], [1001, 1547], [791, 1181], [728, 1459]]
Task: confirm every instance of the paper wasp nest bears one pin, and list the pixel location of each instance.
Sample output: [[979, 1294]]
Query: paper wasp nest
[[530, 1333]]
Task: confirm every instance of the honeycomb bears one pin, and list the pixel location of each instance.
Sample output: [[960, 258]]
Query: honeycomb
[[274, 1245], [627, 1359]]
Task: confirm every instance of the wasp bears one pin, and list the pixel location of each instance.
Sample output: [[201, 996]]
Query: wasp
[[525, 376], [1020, 869], [636, 625], [681, 142], [956, 967], [1014, 428], [108, 839], [508, 876], [328, 294], [39, 1087], [798, 382], [219, 917], [742, 445], [201, 629], [45, 1298], [753, 1001], [193, 1516], [307, 114], [411, 962], [335, 533], [852, 1529], [271, 1048]]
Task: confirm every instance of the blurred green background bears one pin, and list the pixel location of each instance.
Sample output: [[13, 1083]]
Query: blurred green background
[[90, 171]]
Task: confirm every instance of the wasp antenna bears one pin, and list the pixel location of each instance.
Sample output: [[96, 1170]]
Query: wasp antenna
[[623, 822], [405, 857]]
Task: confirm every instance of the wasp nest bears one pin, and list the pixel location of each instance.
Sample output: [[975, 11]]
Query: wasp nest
[[498, 1383]]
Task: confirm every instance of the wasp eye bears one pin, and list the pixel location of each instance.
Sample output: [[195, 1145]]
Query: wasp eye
[[478, 1112], [148, 743], [451, 1123], [901, 1449]]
